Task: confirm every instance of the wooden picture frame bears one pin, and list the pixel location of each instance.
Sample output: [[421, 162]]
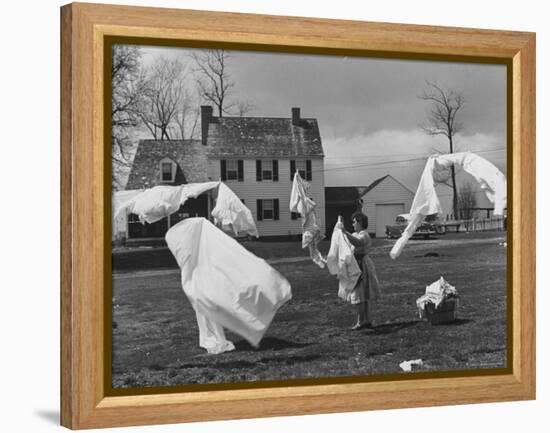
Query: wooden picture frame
[[85, 216]]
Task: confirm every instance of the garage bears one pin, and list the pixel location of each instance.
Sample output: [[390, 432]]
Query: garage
[[382, 201]]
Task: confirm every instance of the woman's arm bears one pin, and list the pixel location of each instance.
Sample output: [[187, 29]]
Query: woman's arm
[[356, 242]]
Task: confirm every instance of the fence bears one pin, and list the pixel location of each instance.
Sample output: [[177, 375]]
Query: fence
[[478, 224]]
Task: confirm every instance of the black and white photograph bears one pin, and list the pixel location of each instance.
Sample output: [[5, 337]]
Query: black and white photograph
[[275, 216], [292, 216]]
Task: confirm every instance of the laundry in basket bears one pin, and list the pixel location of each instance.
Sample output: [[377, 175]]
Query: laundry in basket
[[439, 303]]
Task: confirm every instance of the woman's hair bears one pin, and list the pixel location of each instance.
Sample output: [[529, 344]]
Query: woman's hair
[[362, 218]]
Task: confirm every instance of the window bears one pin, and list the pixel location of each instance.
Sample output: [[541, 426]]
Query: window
[[267, 209], [267, 169], [232, 169], [303, 166], [167, 170]]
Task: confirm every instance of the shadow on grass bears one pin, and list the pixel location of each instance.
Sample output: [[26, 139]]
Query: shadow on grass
[[219, 364], [456, 322], [390, 328], [269, 343], [292, 359]]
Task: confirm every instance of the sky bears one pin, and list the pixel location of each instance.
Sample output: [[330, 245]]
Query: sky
[[368, 110]]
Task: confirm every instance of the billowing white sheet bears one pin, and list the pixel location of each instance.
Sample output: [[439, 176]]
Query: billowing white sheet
[[341, 262], [232, 214], [225, 283], [437, 169], [305, 206], [152, 205]]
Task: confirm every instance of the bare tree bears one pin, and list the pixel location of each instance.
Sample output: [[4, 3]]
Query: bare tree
[[214, 82], [126, 90], [244, 107], [163, 97], [441, 120], [467, 201], [187, 117]]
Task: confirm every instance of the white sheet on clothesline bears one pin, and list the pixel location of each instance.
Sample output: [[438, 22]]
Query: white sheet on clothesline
[[438, 169], [232, 214], [156, 203], [305, 206]]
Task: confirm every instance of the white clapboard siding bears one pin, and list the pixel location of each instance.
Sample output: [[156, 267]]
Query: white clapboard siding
[[388, 191], [251, 190]]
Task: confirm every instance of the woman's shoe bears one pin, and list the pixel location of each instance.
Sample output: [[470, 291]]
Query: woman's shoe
[[359, 326]]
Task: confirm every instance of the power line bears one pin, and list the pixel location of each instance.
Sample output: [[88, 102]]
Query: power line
[[375, 164], [497, 149], [383, 164]]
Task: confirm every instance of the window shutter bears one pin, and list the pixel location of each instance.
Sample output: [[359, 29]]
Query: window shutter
[[292, 169], [259, 210], [241, 170], [258, 170], [275, 170], [223, 169], [308, 169], [276, 209]]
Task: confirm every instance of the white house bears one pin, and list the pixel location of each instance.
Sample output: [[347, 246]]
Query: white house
[[383, 200], [255, 156]]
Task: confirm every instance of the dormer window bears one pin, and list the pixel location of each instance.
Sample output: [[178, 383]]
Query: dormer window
[[167, 170]]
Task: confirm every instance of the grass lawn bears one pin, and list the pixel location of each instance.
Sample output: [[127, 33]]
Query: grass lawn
[[155, 340]]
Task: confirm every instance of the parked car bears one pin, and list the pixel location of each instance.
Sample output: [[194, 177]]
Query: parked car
[[430, 226]]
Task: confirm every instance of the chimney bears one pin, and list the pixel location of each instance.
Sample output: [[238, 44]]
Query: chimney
[[296, 116], [206, 119]]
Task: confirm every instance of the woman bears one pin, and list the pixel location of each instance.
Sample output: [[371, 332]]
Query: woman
[[367, 287]]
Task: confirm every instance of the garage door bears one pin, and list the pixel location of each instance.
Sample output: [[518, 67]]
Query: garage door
[[385, 215]]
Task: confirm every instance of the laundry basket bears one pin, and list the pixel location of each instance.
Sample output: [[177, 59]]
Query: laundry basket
[[444, 313]]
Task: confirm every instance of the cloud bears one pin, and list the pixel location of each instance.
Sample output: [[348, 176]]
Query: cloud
[[360, 159]]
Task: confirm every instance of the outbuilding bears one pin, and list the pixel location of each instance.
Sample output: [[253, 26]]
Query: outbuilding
[[382, 201]]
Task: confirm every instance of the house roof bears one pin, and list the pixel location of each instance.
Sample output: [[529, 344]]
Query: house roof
[[376, 182], [379, 180], [340, 194], [189, 155], [263, 137]]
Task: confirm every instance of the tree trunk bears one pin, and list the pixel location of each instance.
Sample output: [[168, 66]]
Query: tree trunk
[[455, 200]]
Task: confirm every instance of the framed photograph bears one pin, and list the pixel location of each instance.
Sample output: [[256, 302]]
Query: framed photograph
[[264, 216]]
